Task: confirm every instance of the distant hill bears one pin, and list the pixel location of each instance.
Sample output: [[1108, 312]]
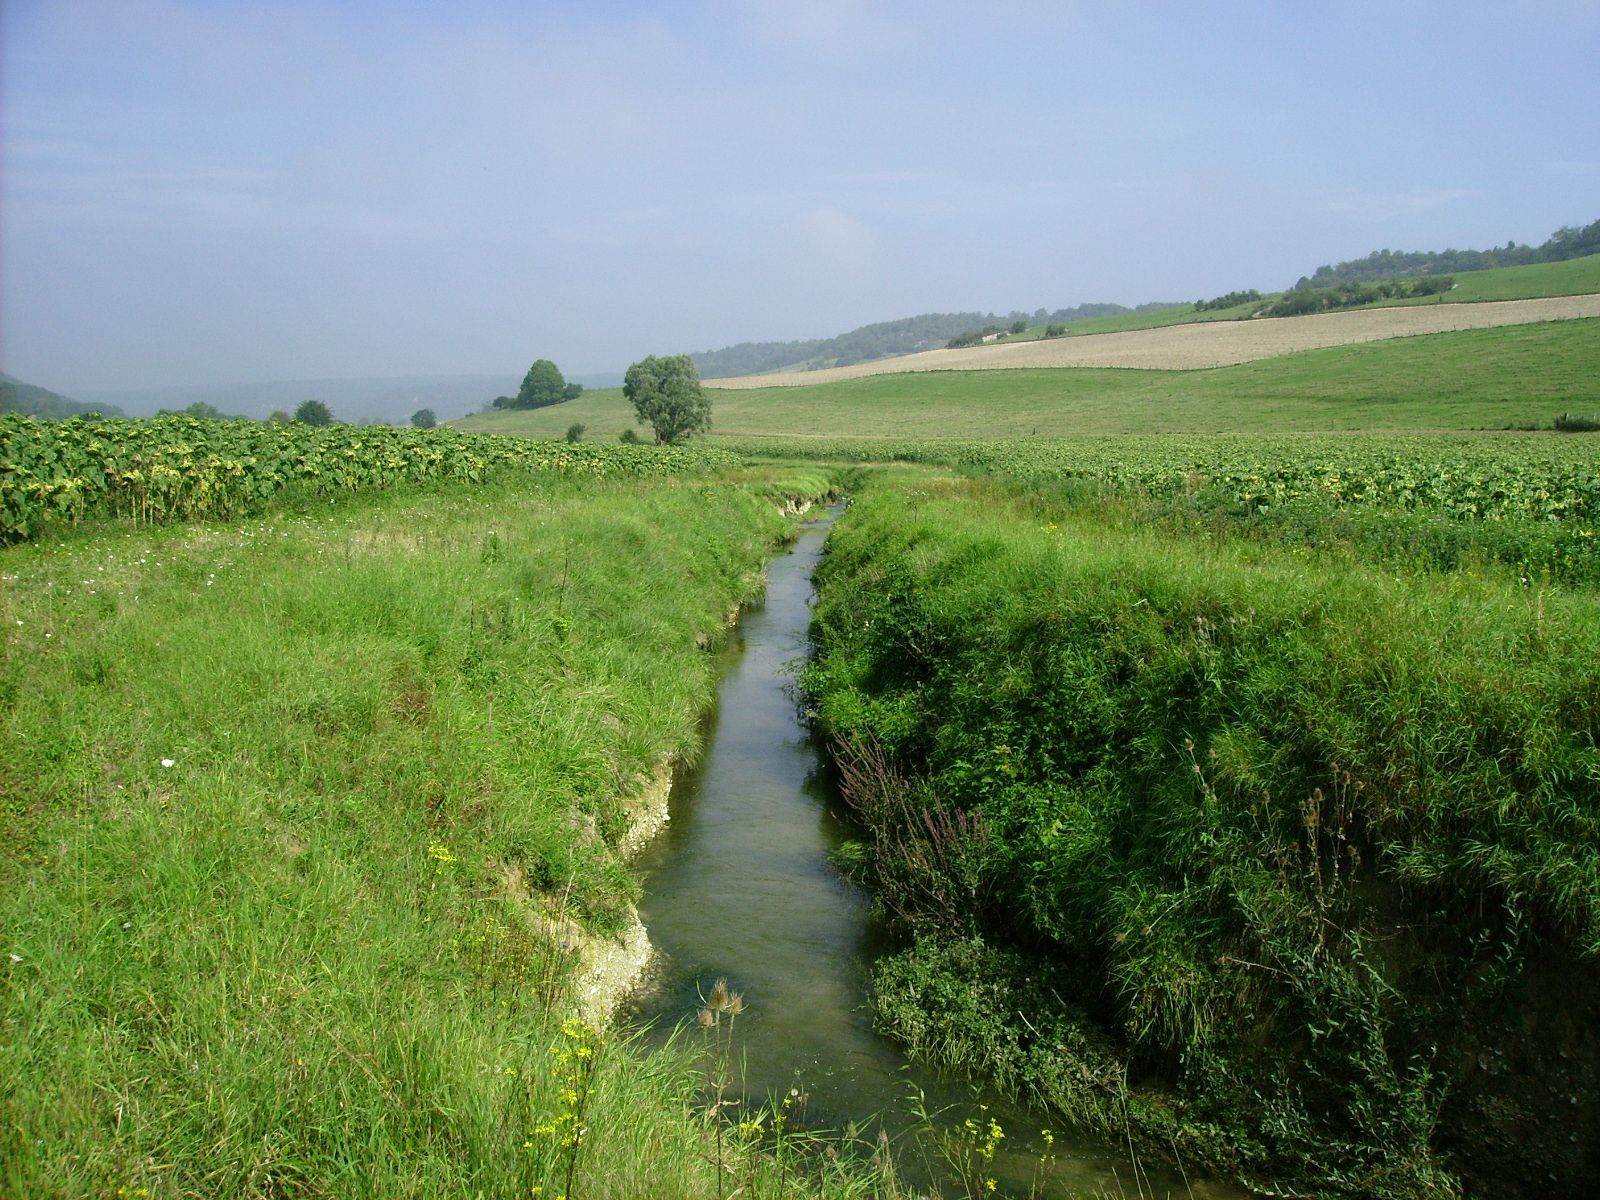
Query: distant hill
[[16, 396], [885, 339], [1567, 242], [390, 400]]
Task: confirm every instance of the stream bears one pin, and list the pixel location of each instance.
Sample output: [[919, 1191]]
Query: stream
[[739, 886]]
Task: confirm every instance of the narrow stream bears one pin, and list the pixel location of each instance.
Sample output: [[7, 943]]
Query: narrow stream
[[739, 886]]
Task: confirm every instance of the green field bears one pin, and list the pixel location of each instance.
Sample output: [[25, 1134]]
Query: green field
[[305, 821], [1573, 277], [1516, 376]]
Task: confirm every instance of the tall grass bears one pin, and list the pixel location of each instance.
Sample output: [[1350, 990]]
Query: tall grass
[[1285, 829], [303, 818]]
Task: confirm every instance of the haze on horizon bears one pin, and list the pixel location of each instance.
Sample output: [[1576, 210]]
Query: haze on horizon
[[199, 193]]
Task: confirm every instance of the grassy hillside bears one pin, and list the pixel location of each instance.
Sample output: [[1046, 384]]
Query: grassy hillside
[[34, 401], [1575, 277], [1472, 379]]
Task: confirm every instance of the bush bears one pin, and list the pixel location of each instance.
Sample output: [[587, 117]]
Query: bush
[[575, 431]]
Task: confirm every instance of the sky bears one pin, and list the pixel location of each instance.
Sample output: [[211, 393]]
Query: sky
[[199, 192]]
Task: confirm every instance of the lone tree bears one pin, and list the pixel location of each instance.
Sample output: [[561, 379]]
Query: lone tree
[[314, 412], [423, 418], [666, 393], [541, 386]]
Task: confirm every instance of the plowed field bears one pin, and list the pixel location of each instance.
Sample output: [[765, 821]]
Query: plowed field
[[1190, 347]]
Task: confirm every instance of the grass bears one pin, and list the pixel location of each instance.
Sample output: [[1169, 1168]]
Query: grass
[[1573, 277], [1469, 379], [302, 817], [1280, 828]]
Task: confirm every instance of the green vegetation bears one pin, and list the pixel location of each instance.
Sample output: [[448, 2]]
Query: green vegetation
[[302, 818], [542, 386], [314, 412], [424, 418], [1435, 504], [200, 410], [1568, 242], [1575, 277], [666, 394], [1301, 301], [180, 467], [32, 401], [1248, 846], [1231, 300], [881, 340], [1514, 376]]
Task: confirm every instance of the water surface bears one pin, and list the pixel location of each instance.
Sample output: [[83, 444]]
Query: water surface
[[739, 886]]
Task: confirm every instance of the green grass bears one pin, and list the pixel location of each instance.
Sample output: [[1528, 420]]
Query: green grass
[[297, 813], [1574, 277], [604, 411], [1279, 827], [1470, 379]]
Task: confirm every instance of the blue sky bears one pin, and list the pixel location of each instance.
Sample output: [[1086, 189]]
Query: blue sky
[[199, 193]]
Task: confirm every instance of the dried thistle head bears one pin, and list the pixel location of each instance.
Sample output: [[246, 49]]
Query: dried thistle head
[[719, 996], [706, 1018]]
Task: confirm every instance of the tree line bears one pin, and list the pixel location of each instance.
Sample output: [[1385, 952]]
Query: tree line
[[1351, 295], [1570, 241], [884, 339]]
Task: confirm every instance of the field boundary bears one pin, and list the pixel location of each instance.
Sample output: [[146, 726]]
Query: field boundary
[[1201, 345]]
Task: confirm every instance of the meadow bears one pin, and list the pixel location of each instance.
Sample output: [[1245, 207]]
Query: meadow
[[1487, 379], [1573, 277], [314, 825]]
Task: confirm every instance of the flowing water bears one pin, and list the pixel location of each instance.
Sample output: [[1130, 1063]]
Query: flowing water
[[739, 886]]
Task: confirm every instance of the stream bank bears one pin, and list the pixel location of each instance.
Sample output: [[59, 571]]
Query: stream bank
[[740, 886]]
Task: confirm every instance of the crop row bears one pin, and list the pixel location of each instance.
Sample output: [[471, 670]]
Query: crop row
[[1545, 478], [172, 468]]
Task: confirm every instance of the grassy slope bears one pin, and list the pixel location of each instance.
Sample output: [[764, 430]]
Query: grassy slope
[[1471, 379], [293, 814], [1575, 277], [1142, 718]]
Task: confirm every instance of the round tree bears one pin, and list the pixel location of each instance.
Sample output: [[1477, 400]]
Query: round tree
[[667, 395], [542, 385], [314, 412], [423, 418]]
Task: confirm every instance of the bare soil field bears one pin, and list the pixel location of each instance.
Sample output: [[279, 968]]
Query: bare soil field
[[1192, 347]]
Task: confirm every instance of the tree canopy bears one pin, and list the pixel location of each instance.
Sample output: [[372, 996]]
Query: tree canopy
[[1569, 241], [314, 412], [666, 394], [543, 385], [424, 418]]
